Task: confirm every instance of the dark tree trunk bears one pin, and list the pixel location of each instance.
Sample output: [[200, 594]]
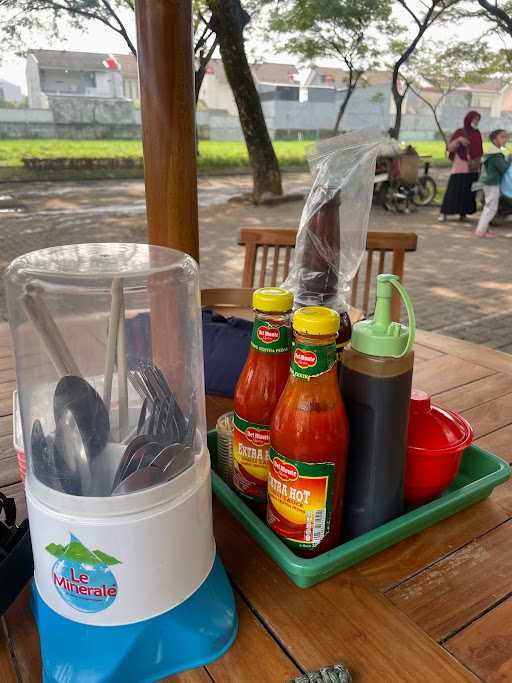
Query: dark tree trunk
[[228, 20], [350, 90], [398, 100]]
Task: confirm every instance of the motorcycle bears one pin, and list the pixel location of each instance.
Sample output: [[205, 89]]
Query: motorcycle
[[399, 187]]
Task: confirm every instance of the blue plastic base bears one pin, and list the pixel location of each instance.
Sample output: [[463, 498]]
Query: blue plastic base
[[196, 632]]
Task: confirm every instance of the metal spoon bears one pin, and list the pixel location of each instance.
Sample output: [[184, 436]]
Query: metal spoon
[[141, 479]]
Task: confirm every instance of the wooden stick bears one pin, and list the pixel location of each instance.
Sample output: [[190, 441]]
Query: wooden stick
[[122, 368], [49, 333], [113, 327]]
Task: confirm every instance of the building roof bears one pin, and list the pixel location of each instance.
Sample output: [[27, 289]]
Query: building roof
[[282, 74], [266, 72], [339, 77], [82, 61], [128, 65]]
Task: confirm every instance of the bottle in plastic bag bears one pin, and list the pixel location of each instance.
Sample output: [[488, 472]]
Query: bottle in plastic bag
[[332, 234], [376, 379]]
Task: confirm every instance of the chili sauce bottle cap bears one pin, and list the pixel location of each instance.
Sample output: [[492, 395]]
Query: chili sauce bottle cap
[[272, 300], [316, 320]]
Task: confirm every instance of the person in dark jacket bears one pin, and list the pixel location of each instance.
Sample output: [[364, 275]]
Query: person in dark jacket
[[465, 151], [495, 165]]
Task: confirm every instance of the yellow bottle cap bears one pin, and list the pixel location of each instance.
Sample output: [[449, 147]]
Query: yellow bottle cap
[[316, 320], [272, 300]]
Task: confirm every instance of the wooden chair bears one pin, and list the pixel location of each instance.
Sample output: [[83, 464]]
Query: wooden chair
[[268, 253], [228, 301], [258, 244]]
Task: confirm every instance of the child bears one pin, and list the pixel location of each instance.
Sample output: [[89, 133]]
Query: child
[[495, 166]]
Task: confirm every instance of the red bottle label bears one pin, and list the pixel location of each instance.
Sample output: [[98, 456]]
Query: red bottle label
[[251, 447], [300, 500]]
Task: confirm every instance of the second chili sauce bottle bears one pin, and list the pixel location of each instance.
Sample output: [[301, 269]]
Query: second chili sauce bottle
[[257, 392], [309, 440]]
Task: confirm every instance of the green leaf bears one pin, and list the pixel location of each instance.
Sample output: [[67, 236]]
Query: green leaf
[[56, 549], [107, 559]]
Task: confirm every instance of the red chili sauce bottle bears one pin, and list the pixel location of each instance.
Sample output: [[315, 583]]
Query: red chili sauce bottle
[[309, 440], [257, 392]]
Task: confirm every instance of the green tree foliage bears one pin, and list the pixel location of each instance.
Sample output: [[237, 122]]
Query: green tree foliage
[[447, 67], [342, 29]]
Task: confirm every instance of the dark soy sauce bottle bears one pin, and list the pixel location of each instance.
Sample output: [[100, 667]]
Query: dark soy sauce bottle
[[376, 380], [318, 273]]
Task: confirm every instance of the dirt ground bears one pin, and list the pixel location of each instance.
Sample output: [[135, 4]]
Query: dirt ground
[[460, 285]]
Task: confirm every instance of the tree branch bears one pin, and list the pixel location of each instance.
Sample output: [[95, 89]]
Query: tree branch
[[499, 14], [122, 30], [432, 108], [409, 10]]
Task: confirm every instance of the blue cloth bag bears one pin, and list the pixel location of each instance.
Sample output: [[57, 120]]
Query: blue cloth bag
[[226, 343], [506, 183]]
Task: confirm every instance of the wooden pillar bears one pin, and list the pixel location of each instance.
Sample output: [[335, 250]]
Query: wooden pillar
[[165, 57]]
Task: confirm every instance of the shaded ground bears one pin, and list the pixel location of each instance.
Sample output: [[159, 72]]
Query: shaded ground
[[460, 285]]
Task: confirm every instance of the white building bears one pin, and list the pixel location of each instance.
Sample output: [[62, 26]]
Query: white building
[[84, 74], [9, 92]]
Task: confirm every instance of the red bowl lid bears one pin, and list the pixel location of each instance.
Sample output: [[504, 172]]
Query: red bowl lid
[[432, 428]]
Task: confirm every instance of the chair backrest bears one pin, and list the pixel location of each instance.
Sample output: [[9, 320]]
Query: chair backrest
[[226, 298], [261, 271], [261, 268]]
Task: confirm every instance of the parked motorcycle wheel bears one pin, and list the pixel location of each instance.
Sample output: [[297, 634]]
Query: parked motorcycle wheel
[[424, 191]]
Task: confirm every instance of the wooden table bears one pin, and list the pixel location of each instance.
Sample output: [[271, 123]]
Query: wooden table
[[434, 608]]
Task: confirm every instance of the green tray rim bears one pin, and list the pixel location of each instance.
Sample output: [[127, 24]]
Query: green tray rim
[[307, 572]]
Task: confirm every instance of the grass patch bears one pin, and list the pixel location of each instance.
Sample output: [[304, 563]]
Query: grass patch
[[213, 155]]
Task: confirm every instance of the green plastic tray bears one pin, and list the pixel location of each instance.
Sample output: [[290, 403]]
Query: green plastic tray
[[479, 473]]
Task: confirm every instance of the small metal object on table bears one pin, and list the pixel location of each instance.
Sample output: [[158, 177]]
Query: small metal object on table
[[423, 610]]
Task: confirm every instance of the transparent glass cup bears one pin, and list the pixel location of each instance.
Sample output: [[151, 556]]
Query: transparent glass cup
[[225, 447]]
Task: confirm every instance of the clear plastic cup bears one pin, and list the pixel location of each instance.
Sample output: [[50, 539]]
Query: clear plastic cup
[[225, 447]]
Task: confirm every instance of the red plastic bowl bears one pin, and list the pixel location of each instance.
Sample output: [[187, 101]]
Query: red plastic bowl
[[436, 440]]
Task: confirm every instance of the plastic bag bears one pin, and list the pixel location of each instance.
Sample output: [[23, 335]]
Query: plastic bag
[[331, 238]]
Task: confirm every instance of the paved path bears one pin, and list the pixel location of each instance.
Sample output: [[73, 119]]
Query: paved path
[[460, 285]]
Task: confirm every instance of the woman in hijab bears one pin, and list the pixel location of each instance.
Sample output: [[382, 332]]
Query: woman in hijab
[[465, 151]]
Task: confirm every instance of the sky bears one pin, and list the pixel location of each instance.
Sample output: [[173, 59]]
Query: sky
[[99, 38]]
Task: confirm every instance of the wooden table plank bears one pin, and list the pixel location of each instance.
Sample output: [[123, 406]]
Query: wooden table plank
[[9, 471], [447, 372], [398, 563], [490, 416], [475, 393], [425, 352], [498, 442], [192, 676], [339, 620], [476, 353], [485, 646], [457, 589], [24, 638], [255, 656], [7, 670]]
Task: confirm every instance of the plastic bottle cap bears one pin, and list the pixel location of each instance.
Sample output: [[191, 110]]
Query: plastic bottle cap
[[316, 320], [272, 300], [380, 336], [433, 429]]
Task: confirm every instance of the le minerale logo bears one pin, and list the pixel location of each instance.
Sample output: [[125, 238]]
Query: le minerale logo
[[82, 577]]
